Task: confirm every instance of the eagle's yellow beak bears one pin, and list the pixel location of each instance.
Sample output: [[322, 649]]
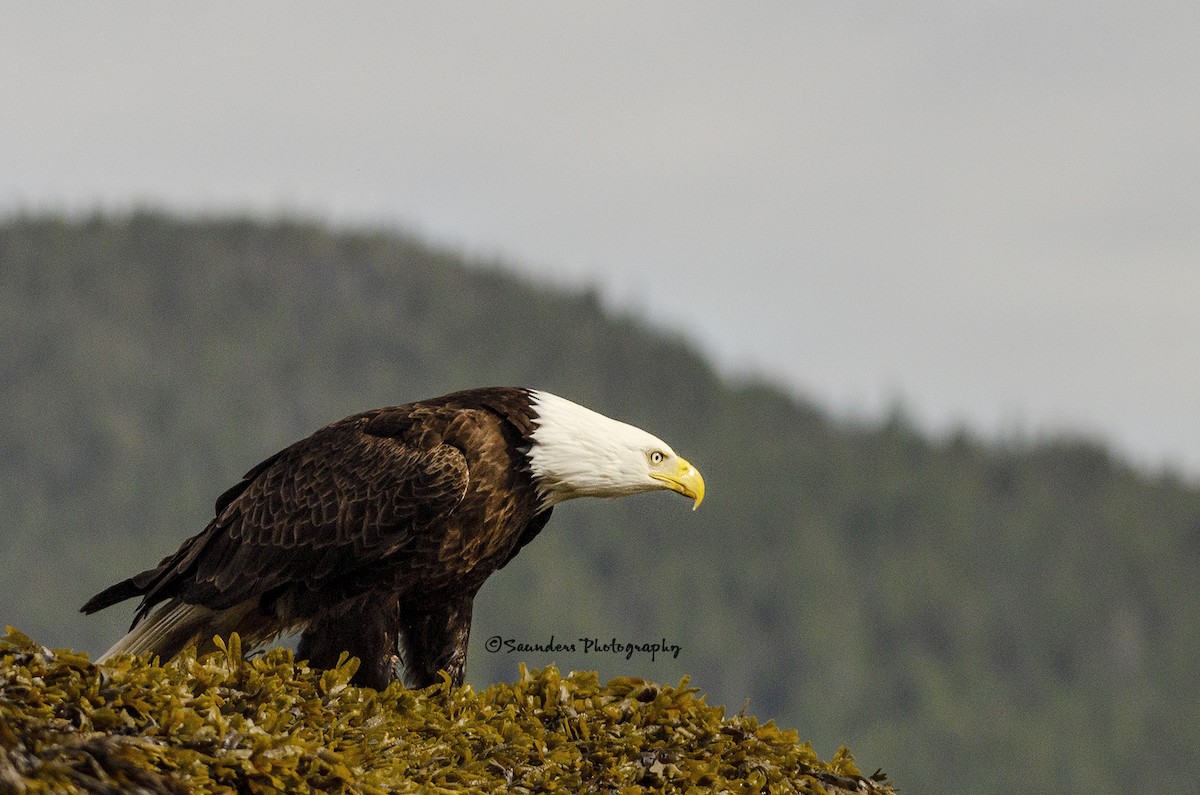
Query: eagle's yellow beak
[[686, 480]]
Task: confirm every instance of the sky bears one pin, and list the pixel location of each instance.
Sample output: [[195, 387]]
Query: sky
[[986, 213]]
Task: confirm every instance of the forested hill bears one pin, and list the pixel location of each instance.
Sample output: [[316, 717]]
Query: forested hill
[[970, 617]]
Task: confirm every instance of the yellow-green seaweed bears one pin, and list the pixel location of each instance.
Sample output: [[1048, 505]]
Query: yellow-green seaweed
[[272, 725]]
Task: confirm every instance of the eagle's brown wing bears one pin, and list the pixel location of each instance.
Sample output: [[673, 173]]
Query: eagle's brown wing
[[338, 501]]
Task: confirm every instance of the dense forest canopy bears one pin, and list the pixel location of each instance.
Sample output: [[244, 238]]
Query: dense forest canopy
[[1013, 616]]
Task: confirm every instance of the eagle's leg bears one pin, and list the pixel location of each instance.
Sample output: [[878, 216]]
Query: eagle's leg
[[366, 628], [434, 638]]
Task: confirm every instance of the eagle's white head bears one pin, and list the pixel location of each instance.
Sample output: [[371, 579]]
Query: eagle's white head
[[577, 452]]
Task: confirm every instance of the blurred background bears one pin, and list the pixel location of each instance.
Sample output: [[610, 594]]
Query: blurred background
[[914, 287]]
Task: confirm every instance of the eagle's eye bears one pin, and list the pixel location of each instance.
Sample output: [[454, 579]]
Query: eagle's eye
[[657, 457]]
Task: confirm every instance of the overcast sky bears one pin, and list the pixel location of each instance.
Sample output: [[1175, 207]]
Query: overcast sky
[[987, 211]]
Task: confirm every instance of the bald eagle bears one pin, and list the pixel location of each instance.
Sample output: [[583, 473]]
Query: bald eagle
[[374, 534]]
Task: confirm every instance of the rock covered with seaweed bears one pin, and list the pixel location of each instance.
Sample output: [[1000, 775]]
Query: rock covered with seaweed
[[271, 724]]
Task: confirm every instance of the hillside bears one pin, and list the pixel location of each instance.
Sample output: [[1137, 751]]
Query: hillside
[[1020, 616]]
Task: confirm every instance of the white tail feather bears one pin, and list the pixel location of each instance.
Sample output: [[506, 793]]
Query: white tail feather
[[176, 625]]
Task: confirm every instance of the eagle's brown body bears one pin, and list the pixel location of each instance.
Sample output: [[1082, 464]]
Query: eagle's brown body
[[377, 528], [374, 534]]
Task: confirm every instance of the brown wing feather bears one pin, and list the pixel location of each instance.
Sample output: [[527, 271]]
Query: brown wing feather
[[341, 499]]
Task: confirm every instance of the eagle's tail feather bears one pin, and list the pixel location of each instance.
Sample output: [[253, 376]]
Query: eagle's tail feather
[[176, 625]]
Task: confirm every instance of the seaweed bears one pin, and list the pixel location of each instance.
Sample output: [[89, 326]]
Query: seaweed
[[270, 724]]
